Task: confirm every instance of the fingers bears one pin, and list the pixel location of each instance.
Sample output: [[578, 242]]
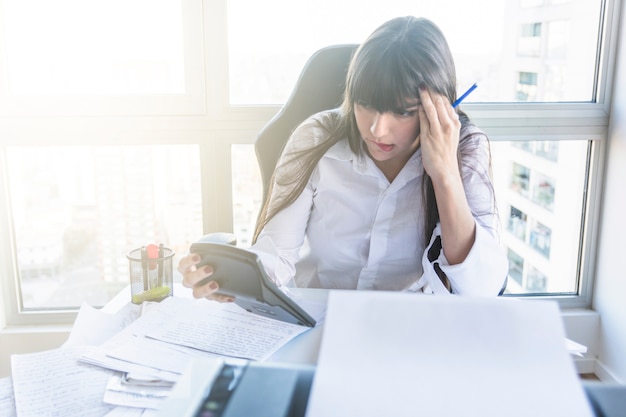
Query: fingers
[[438, 110], [428, 107], [188, 263], [198, 279], [209, 290], [192, 274], [439, 135]]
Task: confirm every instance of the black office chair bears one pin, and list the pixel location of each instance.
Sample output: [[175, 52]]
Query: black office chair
[[319, 87]]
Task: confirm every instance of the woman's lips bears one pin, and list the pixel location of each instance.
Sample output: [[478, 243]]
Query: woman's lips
[[384, 147]]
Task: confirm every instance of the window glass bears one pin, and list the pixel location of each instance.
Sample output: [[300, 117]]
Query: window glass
[[78, 211], [86, 47], [247, 192], [540, 190], [528, 37]]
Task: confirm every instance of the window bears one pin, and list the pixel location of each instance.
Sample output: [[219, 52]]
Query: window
[[531, 30], [529, 42], [101, 57], [75, 220], [540, 238], [520, 179], [263, 67], [141, 128], [516, 267], [517, 223], [99, 61], [527, 86], [540, 187], [543, 192]]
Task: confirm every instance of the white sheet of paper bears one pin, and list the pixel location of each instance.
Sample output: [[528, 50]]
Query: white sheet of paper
[[7, 401], [400, 354], [575, 348], [225, 329], [131, 412], [180, 329], [160, 360], [99, 356], [93, 327], [53, 383], [155, 354], [144, 397]]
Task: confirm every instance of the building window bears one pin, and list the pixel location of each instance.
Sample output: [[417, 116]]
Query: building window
[[536, 282], [547, 149], [520, 179], [540, 237], [543, 191], [516, 267], [526, 86], [531, 30], [529, 42], [517, 223]]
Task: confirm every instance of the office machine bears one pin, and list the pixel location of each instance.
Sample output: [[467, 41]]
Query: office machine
[[213, 387], [240, 274]]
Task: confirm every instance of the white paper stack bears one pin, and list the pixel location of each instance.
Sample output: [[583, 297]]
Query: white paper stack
[[398, 354]]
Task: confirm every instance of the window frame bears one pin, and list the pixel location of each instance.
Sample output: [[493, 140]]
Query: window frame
[[213, 124]]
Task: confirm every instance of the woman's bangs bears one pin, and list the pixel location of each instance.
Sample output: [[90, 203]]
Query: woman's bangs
[[384, 86]]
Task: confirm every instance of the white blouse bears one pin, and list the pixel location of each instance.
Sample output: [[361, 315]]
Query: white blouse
[[353, 229]]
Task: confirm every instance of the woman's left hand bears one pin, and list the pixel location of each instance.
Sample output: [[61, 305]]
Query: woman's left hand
[[439, 136]]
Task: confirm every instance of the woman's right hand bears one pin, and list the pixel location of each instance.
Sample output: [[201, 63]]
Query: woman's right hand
[[192, 277]]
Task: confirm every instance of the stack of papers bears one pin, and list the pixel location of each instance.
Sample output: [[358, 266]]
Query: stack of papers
[[126, 364]]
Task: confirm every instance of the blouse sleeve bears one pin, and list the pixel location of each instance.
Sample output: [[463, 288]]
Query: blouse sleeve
[[278, 246], [482, 273], [484, 270], [279, 243]]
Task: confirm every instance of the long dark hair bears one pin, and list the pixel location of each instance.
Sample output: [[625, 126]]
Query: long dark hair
[[387, 70]]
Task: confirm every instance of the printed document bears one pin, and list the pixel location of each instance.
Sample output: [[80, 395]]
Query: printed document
[[53, 383]]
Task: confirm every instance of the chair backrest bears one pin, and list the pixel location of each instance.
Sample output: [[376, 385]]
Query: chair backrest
[[319, 87]]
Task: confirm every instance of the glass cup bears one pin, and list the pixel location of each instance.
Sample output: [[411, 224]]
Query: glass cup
[[151, 273]]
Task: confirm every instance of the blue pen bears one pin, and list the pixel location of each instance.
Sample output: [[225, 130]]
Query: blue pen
[[460, 99]]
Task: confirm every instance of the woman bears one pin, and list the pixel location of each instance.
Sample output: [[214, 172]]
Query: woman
[[391, 191]]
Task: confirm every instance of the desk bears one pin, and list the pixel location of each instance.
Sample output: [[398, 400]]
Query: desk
[[303, 349]]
